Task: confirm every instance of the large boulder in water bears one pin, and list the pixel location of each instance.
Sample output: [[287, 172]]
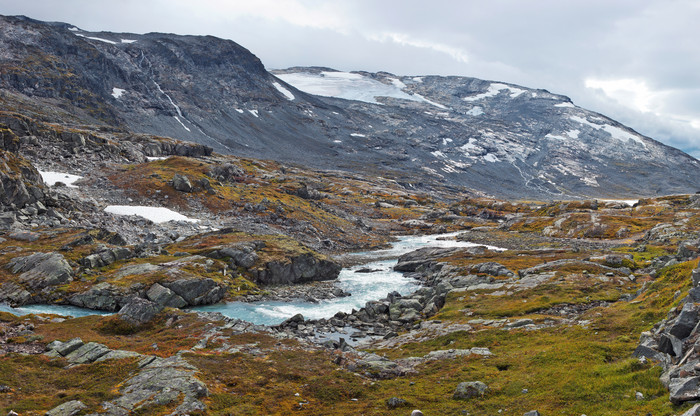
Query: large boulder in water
[[298, 269]]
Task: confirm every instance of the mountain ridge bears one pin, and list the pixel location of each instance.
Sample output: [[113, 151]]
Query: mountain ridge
[[492, 137]]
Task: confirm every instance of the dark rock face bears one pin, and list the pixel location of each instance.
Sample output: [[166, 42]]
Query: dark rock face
[[502, 139], [196, 291], [298, 269]]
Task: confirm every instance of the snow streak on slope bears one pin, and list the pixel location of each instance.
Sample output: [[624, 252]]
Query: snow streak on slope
[[350, 87], [283, 90], [494, 89]]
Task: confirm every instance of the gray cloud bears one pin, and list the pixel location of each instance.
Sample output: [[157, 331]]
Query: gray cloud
[[650, 47]]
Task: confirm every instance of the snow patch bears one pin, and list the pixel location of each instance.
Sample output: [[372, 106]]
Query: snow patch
[[438, 153], [337, 141], [239, 110], [349, 86], [50, 178], [616, 132], [73, 29], [476, 111], [155, 214], [590, 181], [117, 92], [128, 40], [152, 158], [467, 148], [446, 140], [357, 135], [491, 158], [418, 79], [629, 202], [565, 105], [111, 42], [254, 112], [493, 90], [283, 90]]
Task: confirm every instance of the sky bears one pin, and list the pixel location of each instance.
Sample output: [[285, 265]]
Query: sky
[[636, 61]]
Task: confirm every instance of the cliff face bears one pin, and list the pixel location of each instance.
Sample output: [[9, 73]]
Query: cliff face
[[495, 138]]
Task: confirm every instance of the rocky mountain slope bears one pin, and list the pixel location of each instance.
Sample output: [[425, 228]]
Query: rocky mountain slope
[[496, 138]]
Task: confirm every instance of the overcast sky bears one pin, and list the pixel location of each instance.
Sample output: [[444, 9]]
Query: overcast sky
[[636, 61]]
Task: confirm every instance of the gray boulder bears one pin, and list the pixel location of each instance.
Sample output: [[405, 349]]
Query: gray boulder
[[242, 255], [70, 408], [671, 345], [106, 256], [182, 183], [139, 311], [87, 353], [684, 389], [395, 402], [196, 291], [166, 297], [68, 347], [103, 297], [686, 321], [298, 269], [470, 389], [41, 270], [8, 220], [532, 413], [491, 268]]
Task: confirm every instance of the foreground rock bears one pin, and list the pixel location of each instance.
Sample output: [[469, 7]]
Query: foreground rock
[[675, 344], [159, 381], [469, 390]]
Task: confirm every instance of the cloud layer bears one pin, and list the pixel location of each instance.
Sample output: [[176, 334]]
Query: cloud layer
[[634, 60]]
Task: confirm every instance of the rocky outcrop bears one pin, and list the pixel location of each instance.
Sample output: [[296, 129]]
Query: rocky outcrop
[[297, 269], [20, 183], [674, 343], [106, 256], [139, 311], [226, 172], [159, 381], [181, 183], [70, 408], [41, 270], [195, 291], [103, 296], [165, 297]]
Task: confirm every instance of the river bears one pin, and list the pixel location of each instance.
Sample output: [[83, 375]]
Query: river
[[363, 287]]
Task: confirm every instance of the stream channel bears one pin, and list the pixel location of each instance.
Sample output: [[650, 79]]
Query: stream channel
[[363, 287]]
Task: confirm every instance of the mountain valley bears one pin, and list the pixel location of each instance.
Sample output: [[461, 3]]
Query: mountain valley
[[146, 178]]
